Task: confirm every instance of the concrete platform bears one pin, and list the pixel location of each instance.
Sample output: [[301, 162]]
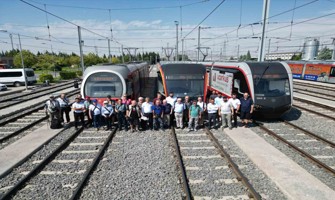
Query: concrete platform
[[15, 153], [29, 103], [315, 99], [293, 180]]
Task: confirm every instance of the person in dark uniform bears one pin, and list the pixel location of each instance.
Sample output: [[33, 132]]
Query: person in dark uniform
[[134, 114], [246, 109], [120, 110]]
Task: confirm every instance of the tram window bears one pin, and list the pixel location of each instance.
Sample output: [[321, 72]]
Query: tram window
[[272, 87], [129, 87], [332, 72]]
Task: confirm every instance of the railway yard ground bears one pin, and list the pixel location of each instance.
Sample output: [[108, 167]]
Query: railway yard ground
[[290, 158]]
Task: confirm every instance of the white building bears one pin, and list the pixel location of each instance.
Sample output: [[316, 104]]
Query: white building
[[281, 55]]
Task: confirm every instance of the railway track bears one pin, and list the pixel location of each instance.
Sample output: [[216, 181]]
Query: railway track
[[20, 98], [64, 171], [306, 85], [315, 108], [16, 126], [199, 152], [316, 149]]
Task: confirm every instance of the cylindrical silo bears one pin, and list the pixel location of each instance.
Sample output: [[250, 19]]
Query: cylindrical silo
[[310, 50]]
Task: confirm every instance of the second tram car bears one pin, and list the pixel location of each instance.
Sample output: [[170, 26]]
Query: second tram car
[[268, 83], [183, 79], [322, 71], [115, 80]]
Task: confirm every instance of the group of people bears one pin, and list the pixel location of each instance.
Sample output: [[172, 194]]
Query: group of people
[[159, 113]]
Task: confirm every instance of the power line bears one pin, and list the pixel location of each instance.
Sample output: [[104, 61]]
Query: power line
[[258, 22], [205, 18], [66, 20], [121, 9]]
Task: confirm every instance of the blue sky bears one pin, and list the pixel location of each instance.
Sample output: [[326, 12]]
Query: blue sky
[[150, 25]]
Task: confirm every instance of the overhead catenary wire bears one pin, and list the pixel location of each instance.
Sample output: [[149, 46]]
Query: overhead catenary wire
[[123, 9], [67, 20], [258, 22], [205, 18]]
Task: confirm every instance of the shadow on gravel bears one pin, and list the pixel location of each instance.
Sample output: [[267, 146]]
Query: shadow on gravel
[[293, 115]]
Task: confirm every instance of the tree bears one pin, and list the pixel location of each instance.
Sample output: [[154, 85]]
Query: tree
[[91, 59], [325, 54], [115, 60], [28, 58], [296, 56]]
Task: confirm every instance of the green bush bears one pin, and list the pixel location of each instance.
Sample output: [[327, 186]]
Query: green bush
[[79, 73], [66, 75], [44, 77]]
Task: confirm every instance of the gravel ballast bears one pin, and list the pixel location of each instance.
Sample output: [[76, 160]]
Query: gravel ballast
[[136, 165], [318, 126]]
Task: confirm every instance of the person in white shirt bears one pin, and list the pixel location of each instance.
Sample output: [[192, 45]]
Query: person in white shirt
[[147, 112], [78, 112], [107, 112], [178, 109], [236, 105], [171, 99], [226, 109], [203, 108], [64, 108], [218, 100], [212, 110], [95, 113]]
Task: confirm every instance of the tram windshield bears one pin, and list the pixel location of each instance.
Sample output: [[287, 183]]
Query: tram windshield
[[274, 87], [101, 84], [186, 84]]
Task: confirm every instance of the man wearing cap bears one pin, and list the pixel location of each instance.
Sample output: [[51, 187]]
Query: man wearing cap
[[107, 112], [226, 109], [112, 103], [64, 108], [121, 110], [52, 108], [78, 112], [95, 113], [87, 104]]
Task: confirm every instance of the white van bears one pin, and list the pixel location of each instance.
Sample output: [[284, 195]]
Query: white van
[[15, 76]]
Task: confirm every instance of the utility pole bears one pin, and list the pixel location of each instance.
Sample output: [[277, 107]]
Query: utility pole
[[333, 55], [224, 49], [199, 43], [109, 51], [238, 52], [177, 23], [81, 49], [22, 63], [269, 46], [122, 53], [182, 49], [11, 41], [266, 6]]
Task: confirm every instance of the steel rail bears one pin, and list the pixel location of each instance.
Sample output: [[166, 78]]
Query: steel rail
[[81, 185], [240, 177], [330, 143], [33, 91], [19, 185], [181, 165], [35, 107], [306, 92], [2, 139], [314, 103], [33, 97], [315, 112], [314, 86], [302, 152]]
